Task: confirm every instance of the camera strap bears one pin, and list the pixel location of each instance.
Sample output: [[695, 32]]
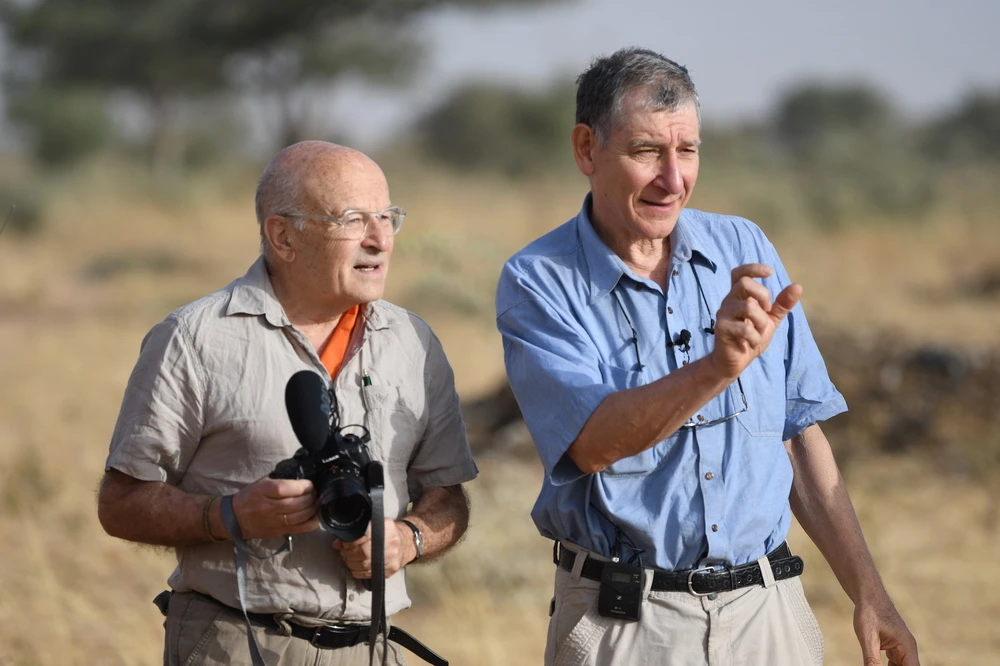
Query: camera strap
[[376, 487], [240, 551]]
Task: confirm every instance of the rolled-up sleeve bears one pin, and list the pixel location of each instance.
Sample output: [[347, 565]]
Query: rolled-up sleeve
[[810, 395], [161, 418], [443, 456], [554, 371]]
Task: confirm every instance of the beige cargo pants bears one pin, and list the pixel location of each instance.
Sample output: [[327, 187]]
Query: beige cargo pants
[[200, 632], [752, 626]]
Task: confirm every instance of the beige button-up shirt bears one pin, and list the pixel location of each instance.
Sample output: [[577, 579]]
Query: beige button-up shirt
[[204, 410]]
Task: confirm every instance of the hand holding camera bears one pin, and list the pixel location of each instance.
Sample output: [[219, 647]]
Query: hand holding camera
[[334, 459], [357, 555], [276, 507]]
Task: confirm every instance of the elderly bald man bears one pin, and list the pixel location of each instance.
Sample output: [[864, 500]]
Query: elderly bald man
[[203, 418]]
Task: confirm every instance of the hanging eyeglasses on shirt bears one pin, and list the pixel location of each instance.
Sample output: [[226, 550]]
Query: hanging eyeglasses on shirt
[[682, 341]]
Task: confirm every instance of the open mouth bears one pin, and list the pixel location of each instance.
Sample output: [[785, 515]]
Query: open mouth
[[368, 268]]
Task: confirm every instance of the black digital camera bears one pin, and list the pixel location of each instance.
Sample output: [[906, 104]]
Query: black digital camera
[[334, 458]]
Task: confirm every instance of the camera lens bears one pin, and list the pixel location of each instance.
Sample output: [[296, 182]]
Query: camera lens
[[345, 509]]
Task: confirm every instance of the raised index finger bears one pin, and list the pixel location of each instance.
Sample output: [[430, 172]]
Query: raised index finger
[[751, 270]]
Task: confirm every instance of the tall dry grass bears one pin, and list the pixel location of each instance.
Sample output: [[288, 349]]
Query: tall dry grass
[[116, 252]]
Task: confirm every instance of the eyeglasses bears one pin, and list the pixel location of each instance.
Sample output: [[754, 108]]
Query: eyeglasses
[[700, 422], [683, 342], [354, 224]]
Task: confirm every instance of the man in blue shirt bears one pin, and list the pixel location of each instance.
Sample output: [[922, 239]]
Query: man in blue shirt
[[671, 384]]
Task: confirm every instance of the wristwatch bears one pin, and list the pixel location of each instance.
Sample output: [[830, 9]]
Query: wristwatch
[[418, 538]]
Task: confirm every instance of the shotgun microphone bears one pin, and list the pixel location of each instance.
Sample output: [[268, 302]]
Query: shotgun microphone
[[308, 403]]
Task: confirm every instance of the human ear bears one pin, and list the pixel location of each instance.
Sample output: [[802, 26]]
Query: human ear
[[584, 141], [277, 230]]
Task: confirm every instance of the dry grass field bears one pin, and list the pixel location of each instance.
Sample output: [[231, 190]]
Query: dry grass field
[[115, 254]]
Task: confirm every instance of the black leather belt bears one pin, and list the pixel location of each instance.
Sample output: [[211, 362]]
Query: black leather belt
[[326, 637], [704, 580], [332, 637]]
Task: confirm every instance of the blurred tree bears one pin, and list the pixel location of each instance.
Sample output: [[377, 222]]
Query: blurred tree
[[64, 126], [970, 133], [168, 52], [498, 128]]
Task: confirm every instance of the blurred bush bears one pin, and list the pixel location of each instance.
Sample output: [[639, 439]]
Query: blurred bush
[[970, 133], [503, 129], [26, 217], [827, 155], [851, 155]]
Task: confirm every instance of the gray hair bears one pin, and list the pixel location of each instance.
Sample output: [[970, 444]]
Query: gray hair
[[278, 192], [602, 89]]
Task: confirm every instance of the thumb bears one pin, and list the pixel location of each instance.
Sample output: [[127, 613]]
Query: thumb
[[786, 300], [871, 651], [871, 646]]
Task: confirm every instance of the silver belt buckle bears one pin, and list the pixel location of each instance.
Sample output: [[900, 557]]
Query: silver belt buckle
[[691, 580]]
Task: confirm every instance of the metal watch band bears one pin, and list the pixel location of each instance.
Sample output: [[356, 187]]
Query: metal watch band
[[418, 538]]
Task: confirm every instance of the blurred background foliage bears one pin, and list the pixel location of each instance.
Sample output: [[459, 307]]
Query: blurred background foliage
[[171, 84], [135, 134]]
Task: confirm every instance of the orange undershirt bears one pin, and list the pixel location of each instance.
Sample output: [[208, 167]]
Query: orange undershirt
[[336, 346]]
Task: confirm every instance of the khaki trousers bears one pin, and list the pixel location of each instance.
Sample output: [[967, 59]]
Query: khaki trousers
[[201, 632], [752, 626]]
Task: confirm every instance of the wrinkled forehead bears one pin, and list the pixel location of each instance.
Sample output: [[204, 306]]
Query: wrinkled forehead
[[640, 113], [346, 181]]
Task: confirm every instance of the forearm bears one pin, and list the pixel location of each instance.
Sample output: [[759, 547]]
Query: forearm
[[631, 421], [154, 512], [442, 515], [822, 506]]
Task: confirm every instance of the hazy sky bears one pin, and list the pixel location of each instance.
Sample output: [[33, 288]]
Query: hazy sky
[[925, 55]]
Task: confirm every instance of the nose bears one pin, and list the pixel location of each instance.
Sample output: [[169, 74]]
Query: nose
[[670, 177], [378, 234]]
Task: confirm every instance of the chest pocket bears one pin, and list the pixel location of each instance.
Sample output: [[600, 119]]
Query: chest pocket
[[394, 427], [764, 385]]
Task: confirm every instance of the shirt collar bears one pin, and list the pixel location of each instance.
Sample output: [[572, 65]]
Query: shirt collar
[[253, 294], [688, 243], [691, 242]]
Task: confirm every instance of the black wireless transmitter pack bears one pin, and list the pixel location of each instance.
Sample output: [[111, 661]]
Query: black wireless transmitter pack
[[620, 594]]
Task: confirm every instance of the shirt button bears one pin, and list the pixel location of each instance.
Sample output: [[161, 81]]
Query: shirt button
[[350, 597], [715, 528], [676, 272], [684, 362], [670, 310], [709, 476], [701, 418]]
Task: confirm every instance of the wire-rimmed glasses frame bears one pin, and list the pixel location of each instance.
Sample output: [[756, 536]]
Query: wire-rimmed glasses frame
[[692, 424], [354, 224]]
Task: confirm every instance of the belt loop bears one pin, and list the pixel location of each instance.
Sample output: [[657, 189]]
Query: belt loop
[[579, 559], [765, 570], [647, 583]]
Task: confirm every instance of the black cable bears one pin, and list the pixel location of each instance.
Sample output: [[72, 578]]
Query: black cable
[[711, 327], [635, 336]]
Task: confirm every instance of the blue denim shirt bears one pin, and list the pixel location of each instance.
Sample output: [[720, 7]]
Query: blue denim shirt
[[717, 494]]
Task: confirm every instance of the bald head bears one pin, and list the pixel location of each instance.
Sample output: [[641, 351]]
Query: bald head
[[312, 177]]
